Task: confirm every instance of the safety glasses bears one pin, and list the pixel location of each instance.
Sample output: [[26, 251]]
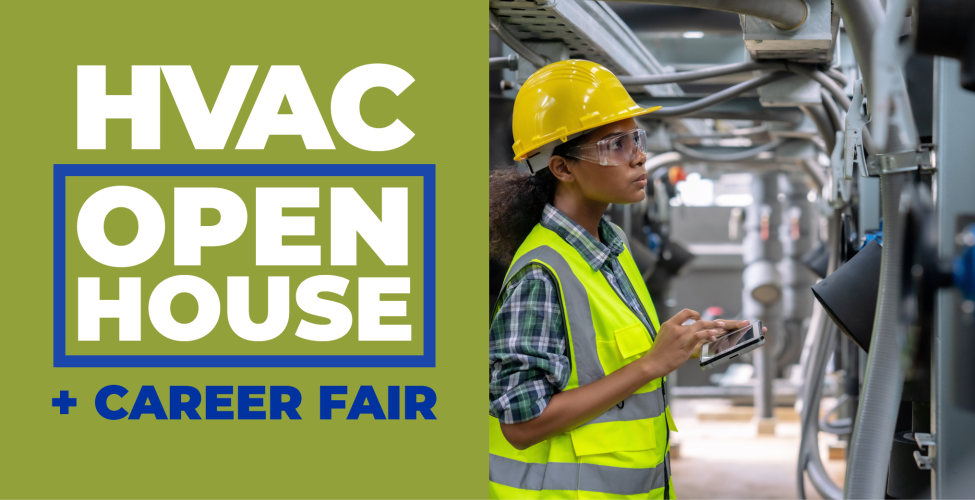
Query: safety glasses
[[617, 149]]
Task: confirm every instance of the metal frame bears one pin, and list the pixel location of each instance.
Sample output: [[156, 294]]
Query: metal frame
[[951, 424]]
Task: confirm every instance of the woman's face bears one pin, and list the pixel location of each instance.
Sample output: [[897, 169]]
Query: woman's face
[[622, 183]]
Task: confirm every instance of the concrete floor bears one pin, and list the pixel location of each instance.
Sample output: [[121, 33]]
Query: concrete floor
[[727, 459]]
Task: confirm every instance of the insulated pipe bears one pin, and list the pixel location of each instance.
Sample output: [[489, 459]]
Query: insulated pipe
[[700, 74], [719, 97], [785, 15], [741, 155], [762, 291], [527, 54], [873, 431], [861, 18], [796, 235]]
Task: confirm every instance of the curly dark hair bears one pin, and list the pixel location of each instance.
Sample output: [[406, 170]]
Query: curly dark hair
[[517, 201]]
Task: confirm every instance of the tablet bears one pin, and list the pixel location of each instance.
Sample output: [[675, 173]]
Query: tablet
[[731, 345]]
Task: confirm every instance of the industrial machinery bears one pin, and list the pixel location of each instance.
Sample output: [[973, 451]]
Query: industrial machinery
[[856, 121]]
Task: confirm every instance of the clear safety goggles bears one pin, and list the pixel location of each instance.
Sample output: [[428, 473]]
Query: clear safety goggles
[[618, 149]]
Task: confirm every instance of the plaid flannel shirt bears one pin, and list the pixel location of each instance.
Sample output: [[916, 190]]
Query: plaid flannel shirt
[[529, 358]]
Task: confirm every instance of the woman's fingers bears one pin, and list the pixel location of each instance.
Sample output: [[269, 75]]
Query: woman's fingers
[[704, 325], [731, 324], [684, 315], [701, 337]]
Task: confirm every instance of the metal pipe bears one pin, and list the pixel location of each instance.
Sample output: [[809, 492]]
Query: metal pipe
[[741, 155], [786, 15], [699, 74], [861, 18], [504, 62], [528, 54], [866, 472], [719, 97]]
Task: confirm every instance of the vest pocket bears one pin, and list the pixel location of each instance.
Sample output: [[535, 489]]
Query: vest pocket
[[609, 437], [632, 340]]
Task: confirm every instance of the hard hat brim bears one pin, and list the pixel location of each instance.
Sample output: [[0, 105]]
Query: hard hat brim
[[564, 133]]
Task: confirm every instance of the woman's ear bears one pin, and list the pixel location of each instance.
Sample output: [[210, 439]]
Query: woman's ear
[[560, 169]]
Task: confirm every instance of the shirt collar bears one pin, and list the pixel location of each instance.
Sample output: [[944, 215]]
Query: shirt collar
[[592, 250]]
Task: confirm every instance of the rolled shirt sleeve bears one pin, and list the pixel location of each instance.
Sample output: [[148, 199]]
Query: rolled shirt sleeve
[[528, 358]]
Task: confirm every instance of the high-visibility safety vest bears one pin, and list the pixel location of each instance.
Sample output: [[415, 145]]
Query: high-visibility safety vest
[[623, 453]]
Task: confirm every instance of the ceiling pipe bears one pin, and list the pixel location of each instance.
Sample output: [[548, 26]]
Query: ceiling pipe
[[527, 54], [786, 15]]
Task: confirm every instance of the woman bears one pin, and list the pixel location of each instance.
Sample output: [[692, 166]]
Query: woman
[[578, 357]]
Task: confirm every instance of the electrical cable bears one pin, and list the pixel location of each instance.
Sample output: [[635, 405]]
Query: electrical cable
[[837, 75], [699, 74], [719, 97], [738, 132], [528, 54], [839, 123], [823, 125], [840, 426], [819, 341], [827, 83], [737, 156]]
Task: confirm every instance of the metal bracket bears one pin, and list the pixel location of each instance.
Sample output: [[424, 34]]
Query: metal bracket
[[904, 161], [837, 176], [853, 130], [924, 440]]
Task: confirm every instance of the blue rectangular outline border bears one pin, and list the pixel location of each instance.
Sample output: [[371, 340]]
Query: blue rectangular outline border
[[426, 360]]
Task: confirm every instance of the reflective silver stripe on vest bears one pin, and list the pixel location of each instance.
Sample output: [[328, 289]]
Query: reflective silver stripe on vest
[[579, 318], [576, 477], [636, 407]]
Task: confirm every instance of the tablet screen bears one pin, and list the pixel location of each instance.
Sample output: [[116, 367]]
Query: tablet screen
[[727, 342]]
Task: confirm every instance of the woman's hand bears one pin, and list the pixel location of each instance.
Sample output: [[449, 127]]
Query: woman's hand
[[676, 342]]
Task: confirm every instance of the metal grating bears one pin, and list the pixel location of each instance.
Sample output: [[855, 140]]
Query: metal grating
[[590, 30]]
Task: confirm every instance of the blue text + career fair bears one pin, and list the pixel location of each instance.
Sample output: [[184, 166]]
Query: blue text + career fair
[[257, 402]]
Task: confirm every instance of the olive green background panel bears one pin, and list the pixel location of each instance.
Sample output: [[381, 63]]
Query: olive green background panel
[[82, 455]]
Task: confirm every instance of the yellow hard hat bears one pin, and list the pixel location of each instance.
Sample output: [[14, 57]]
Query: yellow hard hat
[[565, 98]]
